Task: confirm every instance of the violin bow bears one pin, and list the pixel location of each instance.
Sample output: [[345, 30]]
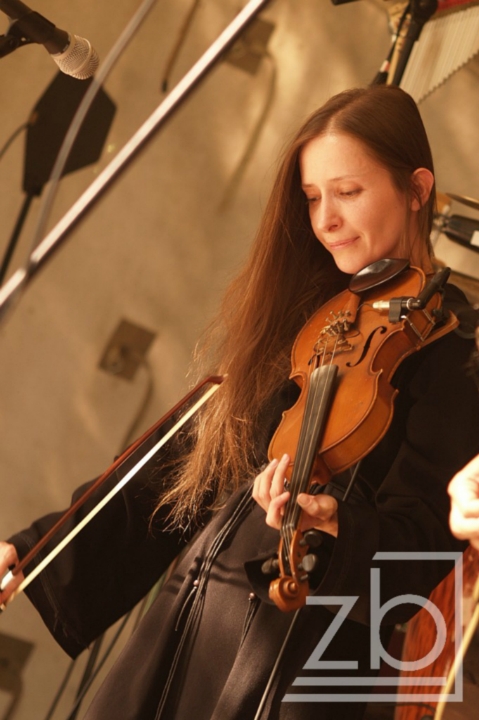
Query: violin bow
[[468, 635], [215, 382]]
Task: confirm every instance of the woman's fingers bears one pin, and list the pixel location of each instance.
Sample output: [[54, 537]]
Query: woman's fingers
[[262, 485], [464, 492], [8, 558], [319, 511], [464, 528], [269, 484], [274, 514]]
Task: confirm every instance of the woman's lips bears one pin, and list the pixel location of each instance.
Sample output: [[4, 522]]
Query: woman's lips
[[339, 244]]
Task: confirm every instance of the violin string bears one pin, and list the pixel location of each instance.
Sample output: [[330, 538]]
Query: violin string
[[315, 403], [316, 411], [312, 415], [303, 459], [320, 395], [300, 464], [318, 406], [287, 525]]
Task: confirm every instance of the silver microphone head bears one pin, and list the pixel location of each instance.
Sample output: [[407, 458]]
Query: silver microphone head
[[80, 59]]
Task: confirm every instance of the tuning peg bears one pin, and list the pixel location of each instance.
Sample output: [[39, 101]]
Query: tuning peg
[[309, 563], [270, 566], [312, 537]]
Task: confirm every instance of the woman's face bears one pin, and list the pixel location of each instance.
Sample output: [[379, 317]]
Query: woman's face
[[356, 211]]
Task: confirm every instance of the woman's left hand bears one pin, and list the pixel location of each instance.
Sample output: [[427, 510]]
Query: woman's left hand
[[319, 511]]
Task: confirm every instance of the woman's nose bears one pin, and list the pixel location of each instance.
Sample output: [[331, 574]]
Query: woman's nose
[[328, 218]]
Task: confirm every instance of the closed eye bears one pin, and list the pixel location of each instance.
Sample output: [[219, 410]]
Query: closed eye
[[350, 193]]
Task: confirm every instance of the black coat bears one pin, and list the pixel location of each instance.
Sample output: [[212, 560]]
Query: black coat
[[207, 647]]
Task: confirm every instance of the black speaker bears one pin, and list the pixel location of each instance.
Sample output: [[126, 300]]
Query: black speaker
[[49, 123]]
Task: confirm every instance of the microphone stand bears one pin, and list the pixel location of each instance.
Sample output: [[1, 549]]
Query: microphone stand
[[421, 11], [16, 285], [26, 27], [382, 75], [13, 39]]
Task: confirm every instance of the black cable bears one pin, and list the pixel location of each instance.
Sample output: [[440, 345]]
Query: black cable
[[178, 45], [13, 137], [93, 654], [109, 63], [254, 138], [60, 690], [12, 244], [272, 677], [354, 475], [131, 433], [100, 665]]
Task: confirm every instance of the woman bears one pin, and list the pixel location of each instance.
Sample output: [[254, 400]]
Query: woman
[[356, 185]]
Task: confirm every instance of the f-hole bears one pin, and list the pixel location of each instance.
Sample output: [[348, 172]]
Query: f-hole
[[382, 329]]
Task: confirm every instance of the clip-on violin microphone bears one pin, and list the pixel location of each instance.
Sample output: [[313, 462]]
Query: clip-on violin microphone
[[399, 307]]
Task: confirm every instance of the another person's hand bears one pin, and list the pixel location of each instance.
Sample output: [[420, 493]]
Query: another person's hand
[[8, 558], [319, 511], [464, 492]]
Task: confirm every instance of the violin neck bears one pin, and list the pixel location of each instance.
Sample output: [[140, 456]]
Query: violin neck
[[321, 390]]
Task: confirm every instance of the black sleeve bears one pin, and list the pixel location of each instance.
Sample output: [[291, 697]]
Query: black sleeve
[[403, 506], [107, 568]]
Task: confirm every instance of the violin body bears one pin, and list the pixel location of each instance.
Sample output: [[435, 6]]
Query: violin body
[[353, 334]]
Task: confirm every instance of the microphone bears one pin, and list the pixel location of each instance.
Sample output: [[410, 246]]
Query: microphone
[[74, 55]]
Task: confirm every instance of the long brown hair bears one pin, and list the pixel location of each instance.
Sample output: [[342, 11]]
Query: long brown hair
[[287, 276]]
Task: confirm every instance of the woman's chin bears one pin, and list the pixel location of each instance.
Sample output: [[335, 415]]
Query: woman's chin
[[351, 266]]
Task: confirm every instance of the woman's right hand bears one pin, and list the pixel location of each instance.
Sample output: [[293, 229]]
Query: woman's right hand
[[464, 492], [8, 558]]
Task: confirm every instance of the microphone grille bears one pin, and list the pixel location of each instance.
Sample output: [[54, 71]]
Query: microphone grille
[[80, 59]]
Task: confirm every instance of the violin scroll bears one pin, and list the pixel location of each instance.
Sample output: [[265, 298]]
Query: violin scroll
[[290, 590]]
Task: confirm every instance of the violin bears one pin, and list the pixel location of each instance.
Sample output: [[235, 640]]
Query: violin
[[343, 360]]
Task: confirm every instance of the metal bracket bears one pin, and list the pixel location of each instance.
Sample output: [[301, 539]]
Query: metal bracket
[[126, 350], [251, 47]]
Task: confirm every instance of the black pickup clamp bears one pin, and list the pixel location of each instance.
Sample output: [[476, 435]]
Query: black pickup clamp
[[399, 307]]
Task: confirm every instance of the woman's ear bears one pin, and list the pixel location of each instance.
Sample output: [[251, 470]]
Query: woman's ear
[[422, 181]]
